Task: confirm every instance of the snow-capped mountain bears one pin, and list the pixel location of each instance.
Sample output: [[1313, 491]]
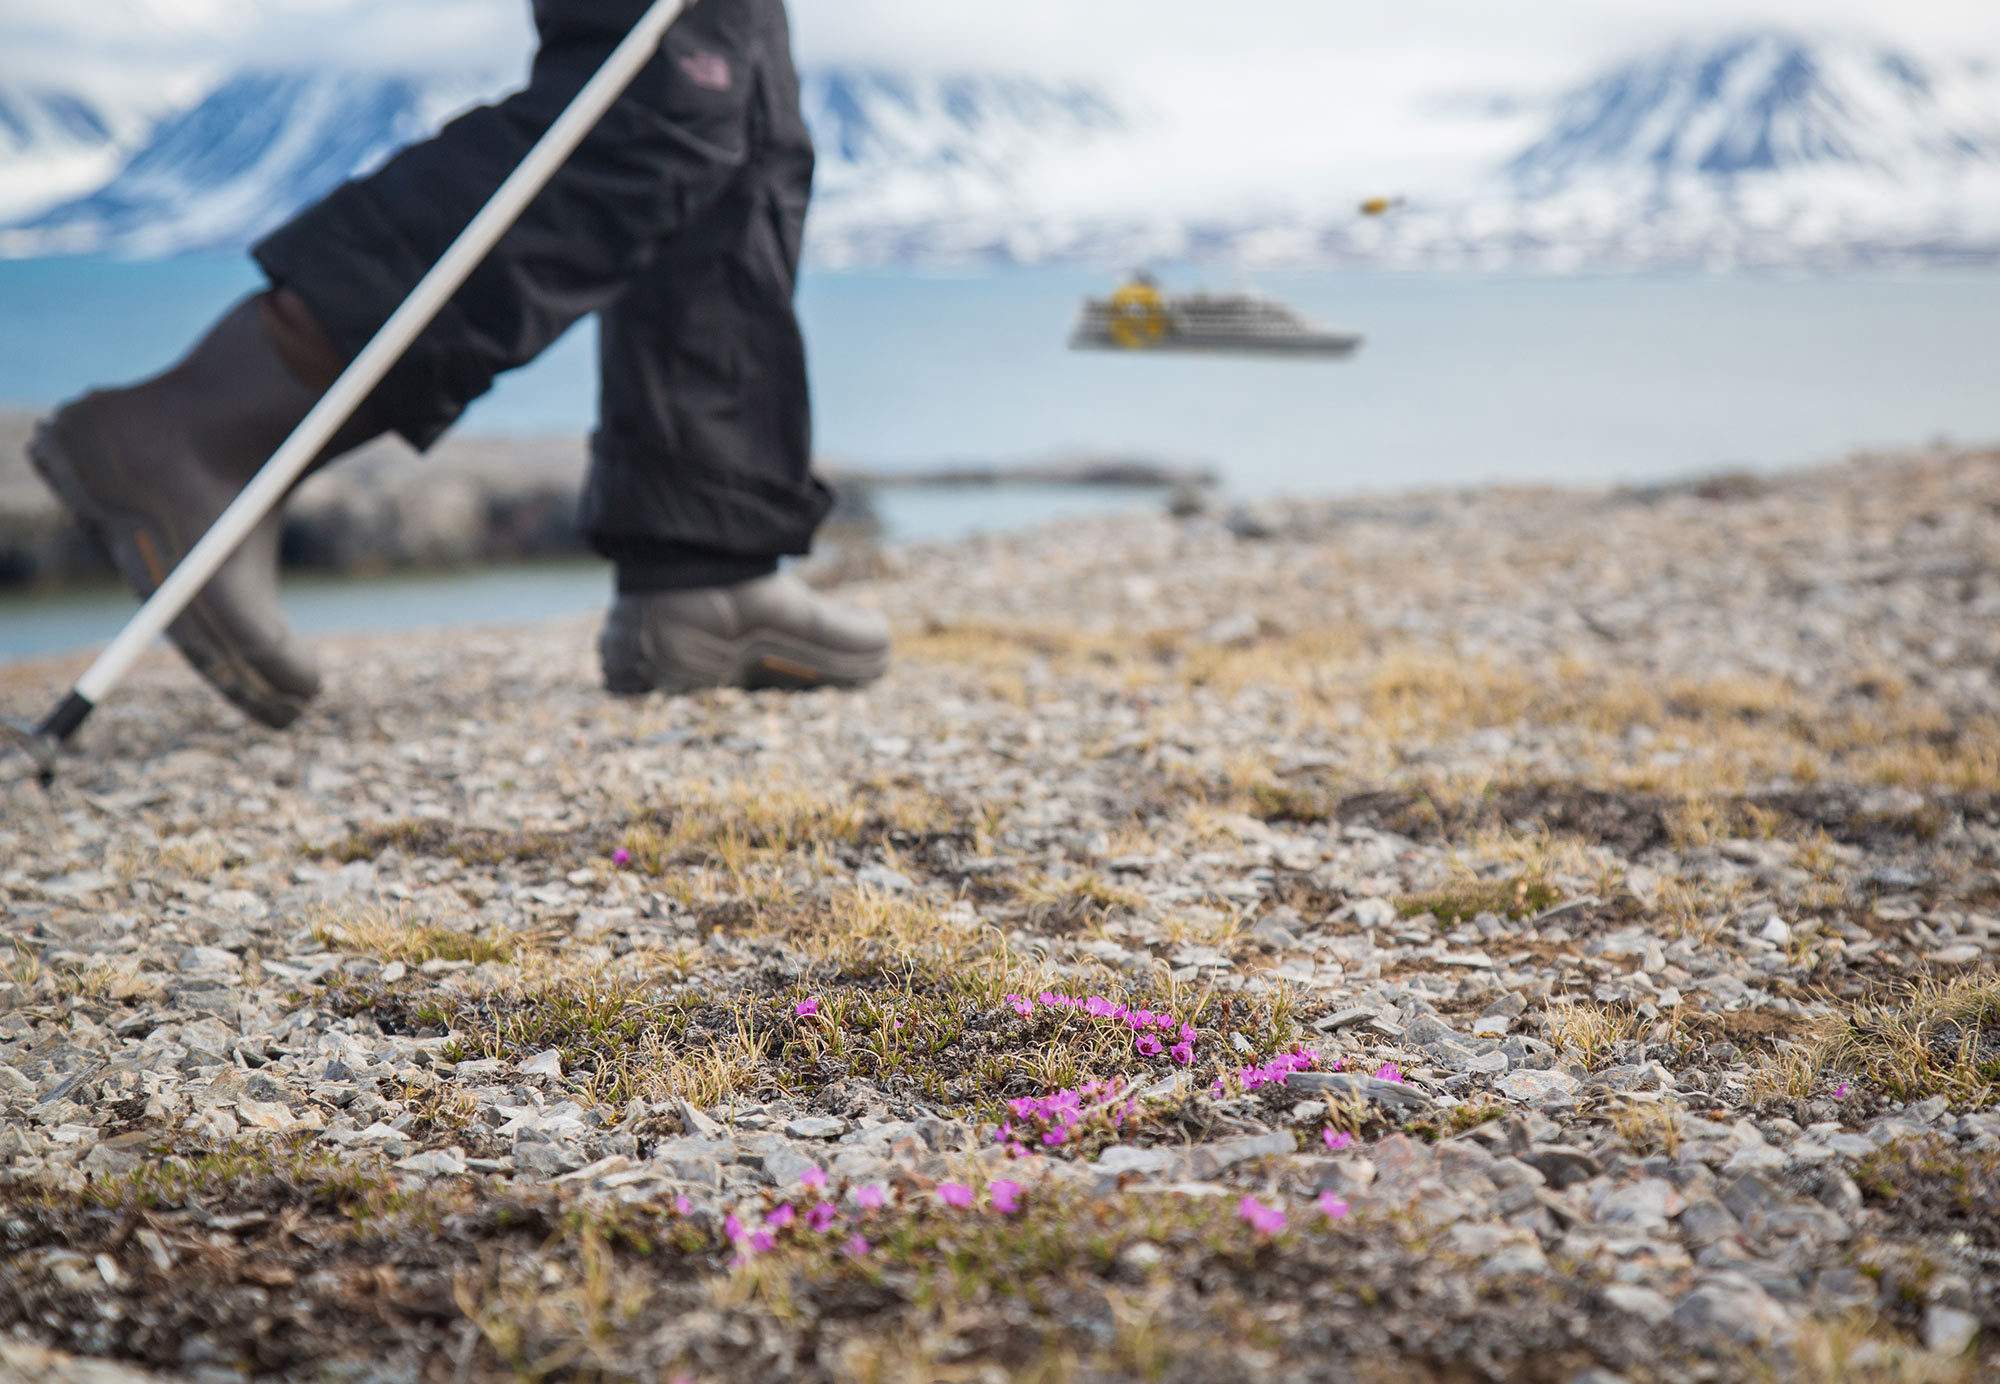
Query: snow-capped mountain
[[1764, 149], [939, 166], [1762, 105], [895, 149], [259, 146]]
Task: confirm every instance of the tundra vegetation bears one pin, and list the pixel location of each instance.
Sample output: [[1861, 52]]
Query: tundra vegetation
[[1504, 936]]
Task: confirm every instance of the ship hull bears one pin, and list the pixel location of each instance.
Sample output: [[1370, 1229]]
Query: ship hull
[[1326, 344], [1236, 324]]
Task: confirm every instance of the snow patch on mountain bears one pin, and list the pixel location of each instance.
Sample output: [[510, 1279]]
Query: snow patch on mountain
[[57, 142]]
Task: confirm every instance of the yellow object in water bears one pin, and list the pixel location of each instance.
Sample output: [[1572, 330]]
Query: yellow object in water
[[1138, 315], [1380, 206]]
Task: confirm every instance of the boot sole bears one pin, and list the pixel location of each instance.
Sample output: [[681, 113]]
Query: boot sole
[[126, 538], [760, 661]]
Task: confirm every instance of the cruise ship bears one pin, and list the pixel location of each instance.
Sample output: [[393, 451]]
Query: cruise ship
[[1140, 317]]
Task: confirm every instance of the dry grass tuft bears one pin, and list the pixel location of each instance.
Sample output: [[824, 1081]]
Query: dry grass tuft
[[1590, 1032], [395, 936], [1934, 1038]]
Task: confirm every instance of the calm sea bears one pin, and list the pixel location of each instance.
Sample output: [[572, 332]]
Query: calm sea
[[1464, 379]]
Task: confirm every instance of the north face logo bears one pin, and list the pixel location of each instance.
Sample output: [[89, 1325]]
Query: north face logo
[[709, 71]]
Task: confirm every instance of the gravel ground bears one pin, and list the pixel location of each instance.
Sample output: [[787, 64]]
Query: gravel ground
[[1503, 935]]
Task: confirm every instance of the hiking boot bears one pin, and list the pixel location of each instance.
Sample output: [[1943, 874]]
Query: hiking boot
[[772, 632], [147, 470]]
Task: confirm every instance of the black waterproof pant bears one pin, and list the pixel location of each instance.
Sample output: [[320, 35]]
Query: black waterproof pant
[[678, 221]]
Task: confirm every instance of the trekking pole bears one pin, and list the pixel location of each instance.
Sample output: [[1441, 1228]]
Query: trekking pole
[[44, 741]]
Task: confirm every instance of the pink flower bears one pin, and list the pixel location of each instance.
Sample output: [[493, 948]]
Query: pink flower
[[733, 1228], [856, 1246], [1840, 1091], [1265, 1220], [813, 1177], [807, 1008], [1389, 1071], [1019, 1004], [1055, 1137], [821, 1216], [683, 1207], [1336, 1142], [781, 1217], [621, 857], [955, 1194], [869, 1198], [1006, 1196], [1182, 1053], [1147, 1044], [1332, 1207], [763, 1242]]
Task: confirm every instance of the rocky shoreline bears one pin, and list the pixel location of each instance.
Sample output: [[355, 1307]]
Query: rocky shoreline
[[474, 501], [1517, 935]]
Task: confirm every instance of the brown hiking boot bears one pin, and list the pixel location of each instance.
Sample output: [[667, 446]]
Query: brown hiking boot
[[147, 470], [772, 632]]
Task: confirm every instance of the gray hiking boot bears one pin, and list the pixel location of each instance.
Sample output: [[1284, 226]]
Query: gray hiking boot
[[147, 470], [772, 632]]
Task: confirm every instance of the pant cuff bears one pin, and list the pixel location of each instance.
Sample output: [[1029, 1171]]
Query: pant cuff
[[675, 567]]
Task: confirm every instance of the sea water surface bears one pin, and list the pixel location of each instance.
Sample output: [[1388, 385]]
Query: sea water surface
[[1464, 379]]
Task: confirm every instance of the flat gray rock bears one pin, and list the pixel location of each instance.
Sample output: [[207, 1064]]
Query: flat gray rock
[[1396, 1095]]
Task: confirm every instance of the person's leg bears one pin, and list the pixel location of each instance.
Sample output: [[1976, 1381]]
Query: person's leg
[[701, 474], [147, 469], [151, 467], [651, 170]]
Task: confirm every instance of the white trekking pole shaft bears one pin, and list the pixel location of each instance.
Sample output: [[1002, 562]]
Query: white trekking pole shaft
[[359, 380]]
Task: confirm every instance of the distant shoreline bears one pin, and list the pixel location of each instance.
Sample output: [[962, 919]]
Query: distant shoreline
[[481, 500]]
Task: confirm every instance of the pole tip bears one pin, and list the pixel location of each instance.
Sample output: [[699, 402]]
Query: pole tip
[[39, 748]]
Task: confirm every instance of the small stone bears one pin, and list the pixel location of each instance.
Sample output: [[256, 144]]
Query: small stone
[[817, 1127], [1204, 1161], [394, 972], [1733, 1308], [1128, 1158], [1396, 1095], [785, 1167], [1516, 1261], [695, 1124], [1756, 1158], [1948, 1330], [1373, 913], [1642, 1303], [1958, 954], [1563, 1165], [436, 1163], [544, 1064], [1536, 1087], [1645, 1206], [544, 1158], [1492, 1026], [1140, 1260], [1777, 932], [884, 880], [1345, 1018], [1487, 1063]]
